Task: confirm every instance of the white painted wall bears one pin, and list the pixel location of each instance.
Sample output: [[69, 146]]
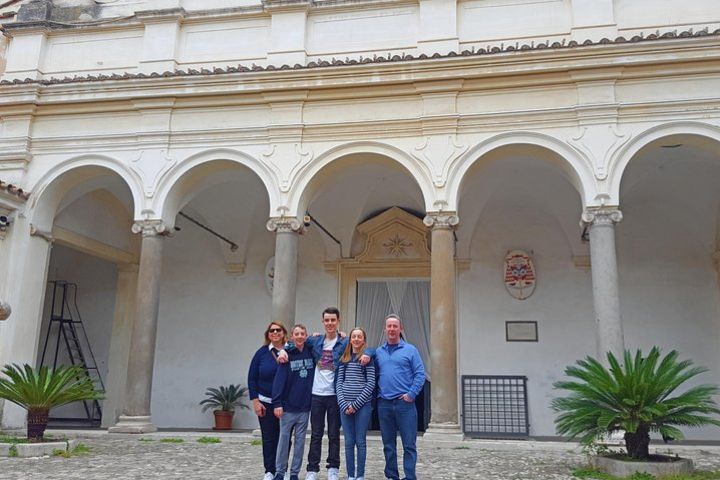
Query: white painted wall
[[247, 32], [95, 281], [561, 304]]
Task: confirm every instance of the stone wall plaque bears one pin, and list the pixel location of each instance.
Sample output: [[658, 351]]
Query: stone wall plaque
[[524, 331]]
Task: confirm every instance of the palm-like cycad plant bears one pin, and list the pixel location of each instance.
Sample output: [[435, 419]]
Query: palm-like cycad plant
[[636, 397], [224, 398], [38, 391]]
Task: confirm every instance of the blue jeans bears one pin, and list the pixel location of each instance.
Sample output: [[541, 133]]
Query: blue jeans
[[398, 416], [321, 406], [355, 428], [290, 420]]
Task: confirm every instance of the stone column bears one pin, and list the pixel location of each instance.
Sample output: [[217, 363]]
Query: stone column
[[23, 279], [119, 354], [609, 330], [443, 338], [285, 280], [135, 416]]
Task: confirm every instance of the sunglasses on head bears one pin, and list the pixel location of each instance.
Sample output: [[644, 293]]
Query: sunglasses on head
[[274, 330]]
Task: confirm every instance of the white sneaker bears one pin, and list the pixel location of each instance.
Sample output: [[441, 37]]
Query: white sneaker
[[333, 474], [311, 476], [268, 476]]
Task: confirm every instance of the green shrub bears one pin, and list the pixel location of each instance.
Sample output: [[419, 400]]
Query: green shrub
[[637, 397]]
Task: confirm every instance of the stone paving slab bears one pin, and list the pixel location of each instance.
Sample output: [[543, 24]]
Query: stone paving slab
[[115, 457]]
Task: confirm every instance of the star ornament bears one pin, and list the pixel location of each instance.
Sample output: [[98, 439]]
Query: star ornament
[[396, 246]]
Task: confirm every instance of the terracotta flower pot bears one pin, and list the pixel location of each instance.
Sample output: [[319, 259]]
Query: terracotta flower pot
[[223, 420], [37, 420]]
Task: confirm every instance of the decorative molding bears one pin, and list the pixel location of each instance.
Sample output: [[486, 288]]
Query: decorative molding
[[441, 220], [47, 236], [150, 228], [377, 260], [515, 48], [284, 224], [301, 156], [601, 216], [234, 268], [599, 146], [5, 310], [394, 235], [438, 156], [152, 168], [397, 246], [582, 262]]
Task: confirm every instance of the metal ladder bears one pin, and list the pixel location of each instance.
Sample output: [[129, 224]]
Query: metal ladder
[[66, 321]]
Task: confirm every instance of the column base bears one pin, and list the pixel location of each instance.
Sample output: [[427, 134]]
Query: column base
[[443, 432], [133, 424]]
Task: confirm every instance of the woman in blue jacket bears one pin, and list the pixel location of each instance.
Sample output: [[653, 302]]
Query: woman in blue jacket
[[354, 385], [263, 368]]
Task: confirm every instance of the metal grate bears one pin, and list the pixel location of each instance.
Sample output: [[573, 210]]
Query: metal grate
[[495, 406]]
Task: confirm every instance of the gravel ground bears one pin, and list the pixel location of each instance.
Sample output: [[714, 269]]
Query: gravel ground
[[239, 456]]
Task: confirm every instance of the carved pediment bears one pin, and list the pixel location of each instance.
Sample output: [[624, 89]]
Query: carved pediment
[[394, 235]]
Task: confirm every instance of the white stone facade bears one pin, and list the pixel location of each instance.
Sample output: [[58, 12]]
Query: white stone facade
[[523, 118]]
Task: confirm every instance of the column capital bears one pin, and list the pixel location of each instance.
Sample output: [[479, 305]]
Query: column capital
[[441, 220], [284, 224], [601, 216], [150, 228]]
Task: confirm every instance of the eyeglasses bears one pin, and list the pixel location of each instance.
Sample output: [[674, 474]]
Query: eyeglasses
[[274, 330]]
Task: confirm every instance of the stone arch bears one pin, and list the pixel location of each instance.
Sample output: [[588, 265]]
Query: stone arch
[[620, 159], [303, 188], [185, 179], [573, 164], [49, 191]]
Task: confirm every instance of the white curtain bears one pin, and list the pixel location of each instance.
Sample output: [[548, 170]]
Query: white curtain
[[409, 299]]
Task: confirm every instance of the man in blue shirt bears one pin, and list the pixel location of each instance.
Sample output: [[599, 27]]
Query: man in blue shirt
[[402, 376]]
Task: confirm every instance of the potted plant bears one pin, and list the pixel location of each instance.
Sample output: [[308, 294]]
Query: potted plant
[[224, 400], [638, 397], [39, 390]]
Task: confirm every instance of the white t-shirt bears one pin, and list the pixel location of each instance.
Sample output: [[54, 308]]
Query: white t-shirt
[[324, 382]]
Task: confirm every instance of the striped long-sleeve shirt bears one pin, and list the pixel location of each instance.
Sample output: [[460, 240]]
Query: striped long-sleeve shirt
[[354, 384]]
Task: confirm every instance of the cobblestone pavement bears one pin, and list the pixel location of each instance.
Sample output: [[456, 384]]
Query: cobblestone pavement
[[239, 457]]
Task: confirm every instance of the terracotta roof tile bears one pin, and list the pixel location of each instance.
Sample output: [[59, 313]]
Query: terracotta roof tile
[[502, 48]]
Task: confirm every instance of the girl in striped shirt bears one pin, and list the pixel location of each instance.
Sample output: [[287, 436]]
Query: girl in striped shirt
[[355, 386]]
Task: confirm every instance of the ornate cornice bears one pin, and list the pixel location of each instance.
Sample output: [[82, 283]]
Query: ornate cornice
[[503, 48], [284, 224], [601, 216], [150, 228], [441, 220]]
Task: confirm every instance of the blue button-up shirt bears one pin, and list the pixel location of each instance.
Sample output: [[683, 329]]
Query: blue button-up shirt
[[401, 370]]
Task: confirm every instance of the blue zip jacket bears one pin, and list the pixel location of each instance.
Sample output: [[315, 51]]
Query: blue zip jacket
[[401, 371], [292, 387]]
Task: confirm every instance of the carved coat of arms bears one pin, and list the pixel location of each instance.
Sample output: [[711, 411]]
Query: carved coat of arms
[[519, 274]]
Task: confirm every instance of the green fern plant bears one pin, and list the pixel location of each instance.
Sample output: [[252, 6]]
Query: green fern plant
[[39, 390], [637, 397], [224, 398]]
